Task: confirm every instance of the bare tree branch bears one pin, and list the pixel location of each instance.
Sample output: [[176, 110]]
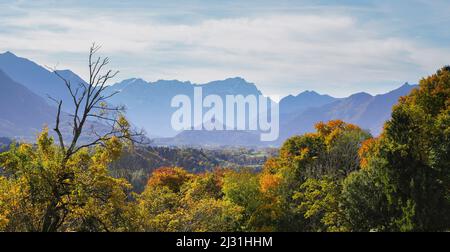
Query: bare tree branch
[[89, 102], [58, 118]]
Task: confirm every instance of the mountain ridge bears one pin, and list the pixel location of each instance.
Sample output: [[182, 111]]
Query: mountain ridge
[[38, 79], [148, 103], [367, 111], [23, 113]]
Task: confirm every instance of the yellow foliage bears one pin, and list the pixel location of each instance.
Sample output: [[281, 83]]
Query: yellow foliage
[[269, 182]]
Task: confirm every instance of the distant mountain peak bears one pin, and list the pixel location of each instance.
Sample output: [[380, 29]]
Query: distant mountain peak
[[237, 78], [37, 78], [360, 95], [13, 58], [308, 93], [402, 90], [120, 86], [135, 81], [170, 82], [303, 101], [8, 53], [232, 80], [406, 85]]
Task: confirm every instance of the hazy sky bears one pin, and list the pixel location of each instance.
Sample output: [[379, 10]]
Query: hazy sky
[[284, 47]]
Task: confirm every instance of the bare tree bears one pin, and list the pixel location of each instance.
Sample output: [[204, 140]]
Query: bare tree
[[90, 103]]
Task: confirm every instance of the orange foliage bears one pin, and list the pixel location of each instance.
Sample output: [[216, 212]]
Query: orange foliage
[[172, 177], [216, 175], [365, 150], [332, 129], [272, 165], [269, 182], [325, 129]]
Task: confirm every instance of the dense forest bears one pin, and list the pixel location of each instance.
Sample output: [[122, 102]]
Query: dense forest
[[138, 164], [338, 178]]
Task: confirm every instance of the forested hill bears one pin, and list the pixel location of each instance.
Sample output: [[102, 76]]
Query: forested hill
[[137, 165]]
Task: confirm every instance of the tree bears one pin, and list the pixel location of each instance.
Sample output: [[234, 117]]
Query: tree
[[69, 178], [364, 205], [175, 200], [209, 214], [208, 184], [242, 188], [312, 167], [319, 203], [171, 177], [158, 209], [404, 185], [415, 148]]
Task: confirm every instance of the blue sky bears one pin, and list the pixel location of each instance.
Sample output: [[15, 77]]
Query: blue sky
[[284, 47]]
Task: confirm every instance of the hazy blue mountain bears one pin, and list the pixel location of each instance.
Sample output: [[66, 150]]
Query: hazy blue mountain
[[38, 79], [25, 106], [289, 107], [148, 103], [22, 113], [215, 138], [299, 103], [367, 111]]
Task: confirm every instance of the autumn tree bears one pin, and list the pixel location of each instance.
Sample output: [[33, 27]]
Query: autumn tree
[[308, 174], [175, 200], [61, 181], [412, 157]]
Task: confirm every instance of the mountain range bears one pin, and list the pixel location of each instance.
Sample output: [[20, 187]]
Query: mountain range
[[25, 107], [38, 79], [148, 104], [367, 111], [22, 112]]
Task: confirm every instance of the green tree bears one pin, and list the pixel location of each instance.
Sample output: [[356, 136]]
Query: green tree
[[363, 203], [319, 203], [406, 185]]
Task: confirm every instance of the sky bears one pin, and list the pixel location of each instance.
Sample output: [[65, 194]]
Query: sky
[[283, 46]]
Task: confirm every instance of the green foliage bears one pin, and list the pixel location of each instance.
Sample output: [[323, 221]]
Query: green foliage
[[405, 186], [81, 194], [363, 202], [335, 179], [196, 205], [319, 204], [415, 149], [242, 188]]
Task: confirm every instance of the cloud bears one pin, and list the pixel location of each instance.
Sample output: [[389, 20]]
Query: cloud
[[334, 53]]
